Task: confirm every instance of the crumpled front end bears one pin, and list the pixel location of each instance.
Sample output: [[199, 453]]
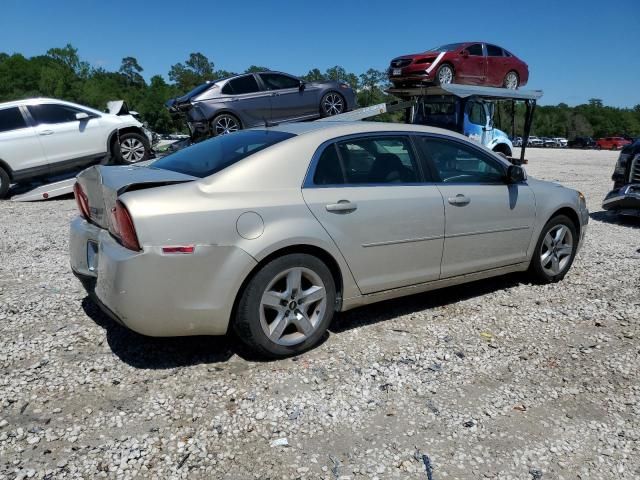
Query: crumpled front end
[[624, 200], [625, 196]]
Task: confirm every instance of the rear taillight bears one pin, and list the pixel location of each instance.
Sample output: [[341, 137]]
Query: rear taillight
[[82, 201], [124, 227]]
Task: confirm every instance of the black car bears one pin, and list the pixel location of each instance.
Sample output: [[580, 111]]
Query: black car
[[625, 196], [258, 99], [582, 142]]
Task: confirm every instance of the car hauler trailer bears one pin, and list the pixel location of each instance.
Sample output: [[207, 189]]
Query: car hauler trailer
[[470, 110]]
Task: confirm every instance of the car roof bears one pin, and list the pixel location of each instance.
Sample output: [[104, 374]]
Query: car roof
[[40, 100], [339, 128]]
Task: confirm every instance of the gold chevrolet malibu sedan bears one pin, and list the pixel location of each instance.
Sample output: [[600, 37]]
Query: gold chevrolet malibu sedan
[[271, 231]]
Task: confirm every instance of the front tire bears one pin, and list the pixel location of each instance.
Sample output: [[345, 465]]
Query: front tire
[[555, 250], [511, 81], [445, 75], [131, 148], [5, 183], [331, 104], [287, 306]]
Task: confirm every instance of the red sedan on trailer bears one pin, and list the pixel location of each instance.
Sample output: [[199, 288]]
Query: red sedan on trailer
[[471, 63]]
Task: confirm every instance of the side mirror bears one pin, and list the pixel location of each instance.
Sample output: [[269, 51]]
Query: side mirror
[[302, 86], [464, 53], [516, 174], [82, 116]]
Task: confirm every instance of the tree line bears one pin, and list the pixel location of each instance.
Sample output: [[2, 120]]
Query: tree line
[[61, 73]]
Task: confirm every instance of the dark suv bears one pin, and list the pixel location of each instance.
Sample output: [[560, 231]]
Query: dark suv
[[625, 196], [581, 142], [258, 99]]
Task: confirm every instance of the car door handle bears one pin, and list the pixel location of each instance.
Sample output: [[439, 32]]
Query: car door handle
[[343, 206], [46, 132], [459, 200]]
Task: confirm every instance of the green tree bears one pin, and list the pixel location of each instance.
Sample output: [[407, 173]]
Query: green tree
[[195, 71], [131, 69], [256, 69]]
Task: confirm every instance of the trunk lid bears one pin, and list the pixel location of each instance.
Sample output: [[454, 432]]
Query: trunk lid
[[103, 184]]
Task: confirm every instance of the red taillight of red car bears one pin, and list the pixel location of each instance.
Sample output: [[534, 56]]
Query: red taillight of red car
[[82, 201], [125, 229]]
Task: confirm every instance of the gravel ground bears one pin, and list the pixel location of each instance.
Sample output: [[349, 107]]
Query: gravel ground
[[498, 379]]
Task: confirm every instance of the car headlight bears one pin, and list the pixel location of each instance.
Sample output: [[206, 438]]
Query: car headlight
[[582, 200]]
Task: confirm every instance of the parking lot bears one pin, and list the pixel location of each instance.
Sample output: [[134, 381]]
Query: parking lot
[[498, 379]]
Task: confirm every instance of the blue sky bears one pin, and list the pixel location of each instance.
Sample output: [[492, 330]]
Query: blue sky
[[575, 49]]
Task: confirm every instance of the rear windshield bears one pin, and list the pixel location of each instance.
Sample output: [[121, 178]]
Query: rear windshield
[[211, 156]]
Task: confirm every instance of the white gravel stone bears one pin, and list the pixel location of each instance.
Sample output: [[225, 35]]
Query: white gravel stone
[[547, 377]]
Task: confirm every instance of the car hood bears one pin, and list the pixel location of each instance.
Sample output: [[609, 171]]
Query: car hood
[[417, 56]]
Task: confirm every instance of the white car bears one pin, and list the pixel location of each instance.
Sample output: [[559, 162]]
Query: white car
[[43, 137], [560, 142], [535, 142]]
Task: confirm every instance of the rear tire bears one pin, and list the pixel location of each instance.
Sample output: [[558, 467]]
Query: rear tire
[[5, 183], [555, 250], [224, 124], [287, 306], [511, 80], [131, 148]]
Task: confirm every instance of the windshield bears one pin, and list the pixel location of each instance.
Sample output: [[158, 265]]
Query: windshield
[[446, 48], [211, 156]]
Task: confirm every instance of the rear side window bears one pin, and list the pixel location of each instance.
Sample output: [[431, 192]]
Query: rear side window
[[475, 49], [276, 81], [211, 156], [51, 113], [493, 51], [455, 162], [11, 119], [240, 85], [371, 160]]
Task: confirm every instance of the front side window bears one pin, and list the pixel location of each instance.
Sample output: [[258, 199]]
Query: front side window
[[50, 113], [477, 114], [11, 119], [276, 81], [211, 156], [458, 163], [370, 160], [493, 51], [241, 85], [475, 49]]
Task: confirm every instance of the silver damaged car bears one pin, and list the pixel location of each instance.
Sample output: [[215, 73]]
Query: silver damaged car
[[271, 231]]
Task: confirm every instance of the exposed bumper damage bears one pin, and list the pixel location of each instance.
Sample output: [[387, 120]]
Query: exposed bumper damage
[[624, 200]]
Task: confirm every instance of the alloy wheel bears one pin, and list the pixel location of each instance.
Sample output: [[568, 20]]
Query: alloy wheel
[[333, 104], [511, 81], [556, 250], [225, 124], [293, 306], [132, 150], [445, 75]]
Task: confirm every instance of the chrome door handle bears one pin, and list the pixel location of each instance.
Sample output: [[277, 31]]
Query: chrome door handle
[[343, 206], [46, 132], [459, 200]]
